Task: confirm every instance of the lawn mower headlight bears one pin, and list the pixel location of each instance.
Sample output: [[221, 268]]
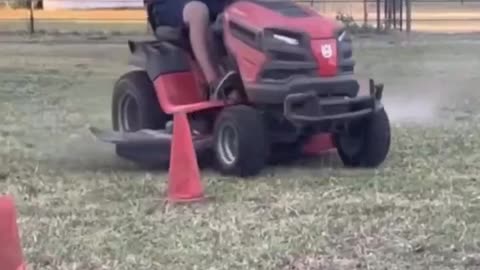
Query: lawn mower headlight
[[342, 35], [286, 39], [282, 37]]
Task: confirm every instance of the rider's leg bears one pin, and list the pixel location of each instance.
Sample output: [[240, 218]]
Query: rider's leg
[[197, 17]]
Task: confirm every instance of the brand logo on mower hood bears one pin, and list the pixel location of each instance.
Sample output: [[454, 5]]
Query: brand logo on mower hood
[[327, 50]]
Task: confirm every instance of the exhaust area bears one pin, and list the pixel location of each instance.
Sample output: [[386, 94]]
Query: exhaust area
[[421, 110], [418, 101]]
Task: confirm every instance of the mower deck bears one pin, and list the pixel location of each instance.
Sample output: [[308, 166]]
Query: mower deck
[[146, 137]]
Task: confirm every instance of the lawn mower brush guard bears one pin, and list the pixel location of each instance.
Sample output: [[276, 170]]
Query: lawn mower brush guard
[[309, 107], [294, 79]]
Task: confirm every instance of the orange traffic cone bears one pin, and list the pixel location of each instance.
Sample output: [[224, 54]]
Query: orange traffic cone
[[184, 184], [11, 255], [319, 144]]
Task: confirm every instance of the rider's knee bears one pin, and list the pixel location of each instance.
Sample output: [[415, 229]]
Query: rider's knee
[[195, 12]]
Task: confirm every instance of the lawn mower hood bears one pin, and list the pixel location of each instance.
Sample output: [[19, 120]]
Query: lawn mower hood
[[290, 55], [286, 40]]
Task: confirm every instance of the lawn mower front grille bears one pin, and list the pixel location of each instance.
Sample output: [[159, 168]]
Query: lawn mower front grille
[[282, 75], [244, 34], [347, 69], [287, 56], [283, 70]]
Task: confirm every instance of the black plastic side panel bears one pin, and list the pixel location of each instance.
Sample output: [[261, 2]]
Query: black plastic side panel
[[244, 34], [346, 64], [158, 58]]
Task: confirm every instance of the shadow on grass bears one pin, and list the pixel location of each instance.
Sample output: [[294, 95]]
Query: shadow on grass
[[85, 155], [97, 157]]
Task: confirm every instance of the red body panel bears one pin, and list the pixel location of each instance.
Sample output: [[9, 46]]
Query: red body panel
[[319, 144], [181, 92], [257, 18], [325, 52], [249, 60]]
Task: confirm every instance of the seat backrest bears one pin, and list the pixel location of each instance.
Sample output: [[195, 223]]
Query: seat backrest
[[174, 35], [150, 17], [167, 33]]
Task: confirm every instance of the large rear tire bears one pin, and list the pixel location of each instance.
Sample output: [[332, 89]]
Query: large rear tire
[[240, 141], [134, 107], [367, 142]]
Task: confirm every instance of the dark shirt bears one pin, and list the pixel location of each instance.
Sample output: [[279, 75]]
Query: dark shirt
[[222, 2], [215, 6]]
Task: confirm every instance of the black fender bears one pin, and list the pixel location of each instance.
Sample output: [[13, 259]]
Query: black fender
[[158, 57]]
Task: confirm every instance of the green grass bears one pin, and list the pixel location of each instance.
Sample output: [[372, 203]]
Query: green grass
[[82, 208]]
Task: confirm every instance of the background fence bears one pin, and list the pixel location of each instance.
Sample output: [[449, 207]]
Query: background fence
[[404, 15]]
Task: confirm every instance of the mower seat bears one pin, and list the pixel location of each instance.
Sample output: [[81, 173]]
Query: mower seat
[[177, 36], [167, 33], [174, 35]]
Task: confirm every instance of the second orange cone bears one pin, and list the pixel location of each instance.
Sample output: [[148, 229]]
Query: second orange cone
[[11, 255]]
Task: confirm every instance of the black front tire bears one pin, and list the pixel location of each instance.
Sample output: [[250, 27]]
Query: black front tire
[[371, 141], [248, 142]]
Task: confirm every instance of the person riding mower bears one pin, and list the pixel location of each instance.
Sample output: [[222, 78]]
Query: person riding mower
[[290, 68]]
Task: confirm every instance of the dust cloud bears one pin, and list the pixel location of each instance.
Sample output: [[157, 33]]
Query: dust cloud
[[418, 101], [416, 110]]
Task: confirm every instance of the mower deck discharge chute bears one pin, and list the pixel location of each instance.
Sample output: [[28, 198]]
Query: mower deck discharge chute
[[294, 80]]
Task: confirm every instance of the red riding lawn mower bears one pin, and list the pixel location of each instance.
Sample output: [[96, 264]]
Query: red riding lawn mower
[[293, 81]]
